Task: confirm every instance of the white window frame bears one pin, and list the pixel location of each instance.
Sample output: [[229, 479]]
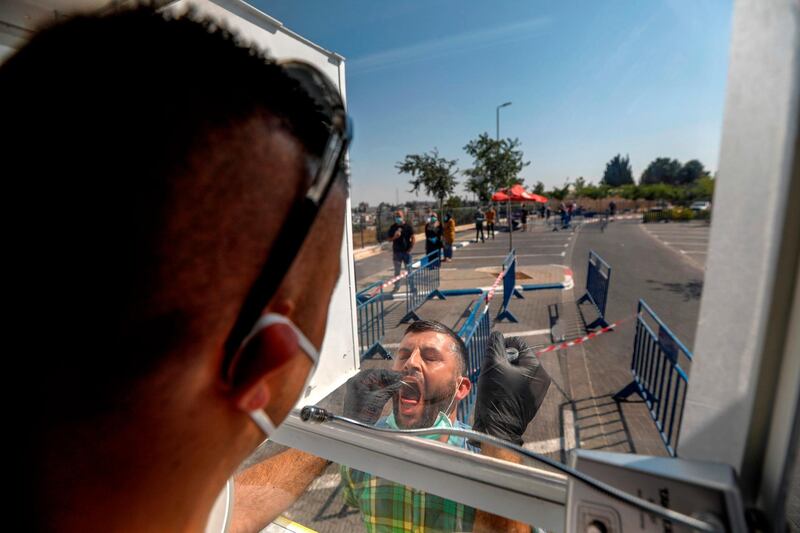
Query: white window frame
[[760, 137], [747, 354]]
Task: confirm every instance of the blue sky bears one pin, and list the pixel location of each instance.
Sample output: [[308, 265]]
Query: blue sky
[[587, 80]]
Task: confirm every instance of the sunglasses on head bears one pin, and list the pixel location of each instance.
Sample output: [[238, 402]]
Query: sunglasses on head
[[324, 171]]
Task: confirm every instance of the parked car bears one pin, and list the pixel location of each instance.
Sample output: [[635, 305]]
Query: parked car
[[661, 206], [703, 205]]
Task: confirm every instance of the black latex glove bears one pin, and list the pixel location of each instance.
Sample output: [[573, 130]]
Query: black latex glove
[[368, 391], [509, 393]]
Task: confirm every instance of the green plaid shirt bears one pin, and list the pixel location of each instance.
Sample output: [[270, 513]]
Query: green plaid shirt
[[389, 507]]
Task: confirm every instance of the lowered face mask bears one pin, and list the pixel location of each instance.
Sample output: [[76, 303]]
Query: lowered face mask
[[259, 416], [442, 421]]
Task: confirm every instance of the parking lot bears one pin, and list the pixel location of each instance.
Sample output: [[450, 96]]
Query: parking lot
[[647, 262], [690, 239]]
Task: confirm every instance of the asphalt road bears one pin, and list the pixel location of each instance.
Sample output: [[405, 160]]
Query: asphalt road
[[646, 263], [668, 281], [687, 239]]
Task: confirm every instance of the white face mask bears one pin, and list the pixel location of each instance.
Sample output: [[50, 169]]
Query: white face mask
[[259, 416]]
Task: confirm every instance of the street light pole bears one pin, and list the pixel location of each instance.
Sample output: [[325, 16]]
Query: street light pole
[[498, 118], [508, 203]]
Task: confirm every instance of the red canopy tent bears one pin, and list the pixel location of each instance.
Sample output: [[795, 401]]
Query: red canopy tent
[[500, 196], [517, 193]]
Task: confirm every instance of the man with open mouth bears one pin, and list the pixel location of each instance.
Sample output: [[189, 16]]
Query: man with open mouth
[[427, 380]]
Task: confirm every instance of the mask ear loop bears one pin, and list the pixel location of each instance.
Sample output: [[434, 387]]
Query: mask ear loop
[[453, 399], [259, 417]]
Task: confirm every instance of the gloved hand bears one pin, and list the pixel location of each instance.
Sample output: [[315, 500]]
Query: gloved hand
[[509, 393], [368, 391]]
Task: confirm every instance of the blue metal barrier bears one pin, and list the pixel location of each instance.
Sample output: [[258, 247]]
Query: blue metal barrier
[[423, 284], [658, 376], [368, 292], [476, 337], [509, 286], [469, 323], [370, 323], [598, 278]]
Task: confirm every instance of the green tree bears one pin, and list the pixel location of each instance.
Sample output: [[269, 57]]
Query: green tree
[[703, 188], [362, 207], [559, 193], [629, 192], [433, 173], [539, 188], [496, 165], [454, 202], [618, 171], [690, 172], [659, 191], [580, 187], [661, 170]]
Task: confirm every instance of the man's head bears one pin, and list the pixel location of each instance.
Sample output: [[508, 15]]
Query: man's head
[[153, 164], [433, 359], [399, 217]]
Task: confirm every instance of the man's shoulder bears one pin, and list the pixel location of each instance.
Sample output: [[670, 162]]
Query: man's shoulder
[[461, 425]]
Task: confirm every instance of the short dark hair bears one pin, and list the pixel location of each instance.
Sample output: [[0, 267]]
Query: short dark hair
[[106, 121], [460, 348]]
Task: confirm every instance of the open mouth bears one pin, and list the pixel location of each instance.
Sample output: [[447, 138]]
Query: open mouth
[[410, 394]]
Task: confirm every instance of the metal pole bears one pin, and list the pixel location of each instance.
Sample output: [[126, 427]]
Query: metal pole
[[508, 204], [510, 226]]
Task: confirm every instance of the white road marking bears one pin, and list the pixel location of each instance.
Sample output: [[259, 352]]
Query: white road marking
[[528, 333], [502, 256], [556, 444], [544, 446], [682, 235]]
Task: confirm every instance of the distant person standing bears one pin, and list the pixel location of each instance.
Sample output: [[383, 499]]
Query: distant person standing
[[479, 220], [449, 236], [434, 233], [562, 209], [612, 209], [402, 236], [524, 217], [491, 215]]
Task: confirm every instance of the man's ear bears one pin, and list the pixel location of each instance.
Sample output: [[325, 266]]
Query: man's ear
[[264, 353], [463, 388]]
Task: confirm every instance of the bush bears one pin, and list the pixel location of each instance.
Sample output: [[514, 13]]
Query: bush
[[681, 213], [678, 214], [703, 215]]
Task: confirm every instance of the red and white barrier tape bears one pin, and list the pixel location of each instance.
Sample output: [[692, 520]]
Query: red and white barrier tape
[[581, 340], [387, 283], [493, 288]]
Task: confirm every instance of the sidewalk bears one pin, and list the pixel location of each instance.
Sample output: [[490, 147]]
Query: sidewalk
[[369, 251]]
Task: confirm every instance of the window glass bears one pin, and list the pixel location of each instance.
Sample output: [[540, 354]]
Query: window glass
[[543, 171]]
